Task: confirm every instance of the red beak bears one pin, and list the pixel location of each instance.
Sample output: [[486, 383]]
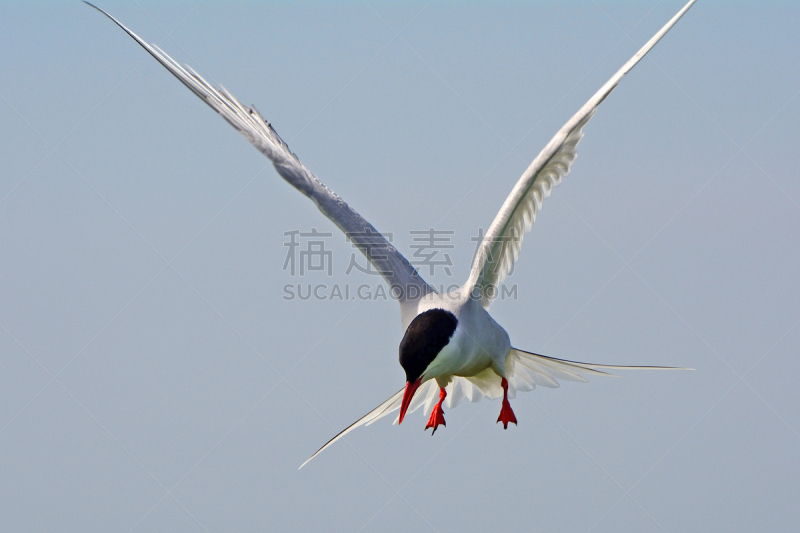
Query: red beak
[[408, 395]]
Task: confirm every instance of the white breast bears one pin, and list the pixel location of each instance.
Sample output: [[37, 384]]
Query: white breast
[[477, 344]]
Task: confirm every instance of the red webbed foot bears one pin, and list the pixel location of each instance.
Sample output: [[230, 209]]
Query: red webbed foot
[[506, 413], [437, 416]]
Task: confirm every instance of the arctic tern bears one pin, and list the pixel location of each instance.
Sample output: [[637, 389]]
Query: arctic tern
[[451, 345]]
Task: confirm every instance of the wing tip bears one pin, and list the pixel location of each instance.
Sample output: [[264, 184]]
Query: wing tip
[[100, 10]]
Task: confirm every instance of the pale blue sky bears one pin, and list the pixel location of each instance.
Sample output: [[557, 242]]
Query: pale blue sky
[[154, 377]]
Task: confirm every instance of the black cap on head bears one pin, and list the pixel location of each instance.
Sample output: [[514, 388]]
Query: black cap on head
[[425, 337]]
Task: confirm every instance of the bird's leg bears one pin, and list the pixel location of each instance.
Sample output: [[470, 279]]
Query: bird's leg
[[437, 416], [506, 413]]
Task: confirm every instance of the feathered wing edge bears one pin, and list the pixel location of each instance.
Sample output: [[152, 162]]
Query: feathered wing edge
[[503, 240], [395, 269], [524, 371]]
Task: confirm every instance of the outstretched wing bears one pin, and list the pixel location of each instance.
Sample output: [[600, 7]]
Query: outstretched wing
[[404, 280], [502, 242]]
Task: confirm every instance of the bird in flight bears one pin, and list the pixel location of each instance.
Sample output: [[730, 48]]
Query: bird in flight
[[452, 348]]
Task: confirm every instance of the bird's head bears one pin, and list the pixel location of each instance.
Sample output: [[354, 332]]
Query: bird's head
[[425, 337]]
